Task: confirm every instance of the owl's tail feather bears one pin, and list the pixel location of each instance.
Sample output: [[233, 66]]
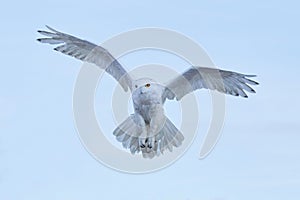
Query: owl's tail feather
[[129, 132], [136, 138]]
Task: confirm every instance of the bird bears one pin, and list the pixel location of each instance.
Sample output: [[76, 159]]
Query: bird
[[148, 131]]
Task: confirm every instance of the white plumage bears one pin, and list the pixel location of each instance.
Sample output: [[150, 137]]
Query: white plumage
[[148, 130]]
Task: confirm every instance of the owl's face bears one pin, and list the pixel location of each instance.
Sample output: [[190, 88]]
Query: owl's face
[[146, 90], [144, 85]]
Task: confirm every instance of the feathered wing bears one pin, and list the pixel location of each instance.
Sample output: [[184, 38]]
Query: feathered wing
[[227, 82], [88, 52]]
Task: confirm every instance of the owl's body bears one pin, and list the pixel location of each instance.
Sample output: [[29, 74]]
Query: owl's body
[[148, 130]]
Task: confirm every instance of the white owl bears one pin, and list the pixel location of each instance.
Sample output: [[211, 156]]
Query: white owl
[[148, 130]]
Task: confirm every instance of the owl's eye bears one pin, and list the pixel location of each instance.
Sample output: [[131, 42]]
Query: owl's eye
[[147, 85], [136, 86]]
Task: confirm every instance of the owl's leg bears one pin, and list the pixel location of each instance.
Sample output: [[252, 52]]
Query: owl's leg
[[157, 122]]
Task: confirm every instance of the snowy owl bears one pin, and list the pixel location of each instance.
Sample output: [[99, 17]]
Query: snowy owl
[[148, 130]]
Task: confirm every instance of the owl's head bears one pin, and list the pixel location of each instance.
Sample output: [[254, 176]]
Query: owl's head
[[143, 83]]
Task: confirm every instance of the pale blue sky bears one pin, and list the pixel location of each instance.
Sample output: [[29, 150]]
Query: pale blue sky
[[257, 157]]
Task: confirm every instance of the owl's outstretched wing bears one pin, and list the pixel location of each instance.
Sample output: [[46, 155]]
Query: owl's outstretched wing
[[87, 52], [227, 82]]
